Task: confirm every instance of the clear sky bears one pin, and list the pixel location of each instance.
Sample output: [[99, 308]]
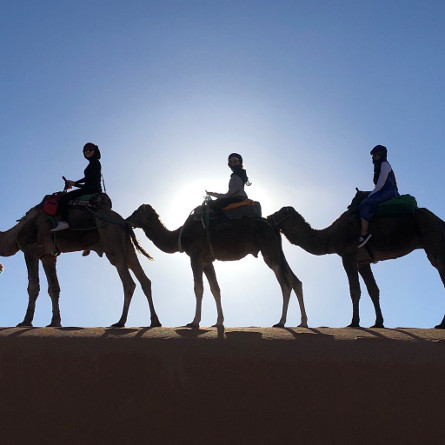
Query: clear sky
[[167, 89]]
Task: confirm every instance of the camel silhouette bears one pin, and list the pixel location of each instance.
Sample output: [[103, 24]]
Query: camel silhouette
[[231, 243], [392, 237], [105, 231]]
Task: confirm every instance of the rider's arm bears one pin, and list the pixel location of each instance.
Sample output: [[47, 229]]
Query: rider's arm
[[384, 172]]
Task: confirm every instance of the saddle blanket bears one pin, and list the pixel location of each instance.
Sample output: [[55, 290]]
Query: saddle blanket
[[238, 210], [95, 201], [401, 205]]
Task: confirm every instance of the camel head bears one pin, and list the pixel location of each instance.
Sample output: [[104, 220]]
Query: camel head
[[278, 217], [143, 216], [358, 198]]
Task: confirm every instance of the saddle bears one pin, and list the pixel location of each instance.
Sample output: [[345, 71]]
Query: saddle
[[234, 211], [403, 204], [50, 203], [400, 205], [94, 201]]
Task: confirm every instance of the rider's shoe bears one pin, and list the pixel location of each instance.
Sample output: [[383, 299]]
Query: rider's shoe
[[62, 225], [363, 240]]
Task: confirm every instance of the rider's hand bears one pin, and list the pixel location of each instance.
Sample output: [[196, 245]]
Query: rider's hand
[[68, 184]]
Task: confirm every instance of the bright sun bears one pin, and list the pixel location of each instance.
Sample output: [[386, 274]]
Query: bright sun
[[183, 200], [191, 194]]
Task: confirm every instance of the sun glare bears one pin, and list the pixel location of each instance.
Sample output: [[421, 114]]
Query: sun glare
[[181, 202]]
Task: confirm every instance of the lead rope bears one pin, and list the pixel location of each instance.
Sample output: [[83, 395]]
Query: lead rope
[[180, 248], [206, 223], [103, 183]]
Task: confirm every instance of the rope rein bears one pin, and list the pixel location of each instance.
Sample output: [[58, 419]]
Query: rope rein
[[103, 183], [206, 223], [180, 248], [205, 219], [279, 221]]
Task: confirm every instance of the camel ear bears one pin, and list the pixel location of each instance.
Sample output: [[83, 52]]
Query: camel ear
[[86, 252]]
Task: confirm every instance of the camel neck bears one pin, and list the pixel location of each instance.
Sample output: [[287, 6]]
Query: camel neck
[[299, 232], [164, 239], [8, 242]]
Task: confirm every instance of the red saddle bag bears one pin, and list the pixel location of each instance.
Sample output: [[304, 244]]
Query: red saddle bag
[[51, 203]]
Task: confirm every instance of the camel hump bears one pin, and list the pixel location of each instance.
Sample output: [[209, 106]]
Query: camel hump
[[95, 201]]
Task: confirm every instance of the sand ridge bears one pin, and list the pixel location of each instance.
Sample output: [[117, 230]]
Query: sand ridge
[[237, 385]]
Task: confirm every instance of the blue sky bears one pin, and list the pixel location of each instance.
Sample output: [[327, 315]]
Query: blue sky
[[167, 89]]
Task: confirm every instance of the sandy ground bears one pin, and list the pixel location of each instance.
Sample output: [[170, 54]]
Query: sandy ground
[[232, 386]]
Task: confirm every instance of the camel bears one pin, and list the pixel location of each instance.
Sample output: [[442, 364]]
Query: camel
[[392, 237], [105, 231], [231, 243]]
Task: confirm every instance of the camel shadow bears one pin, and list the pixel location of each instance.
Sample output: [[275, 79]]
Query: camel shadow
[[372, 332], [21, 331], [244, 336], [119, 332], [410, 334], [300, 335], [70, 328], [186, 332], [142, 331]]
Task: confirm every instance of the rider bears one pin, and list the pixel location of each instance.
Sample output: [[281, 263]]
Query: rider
[[89, 184], [237, 181], [385, 189]]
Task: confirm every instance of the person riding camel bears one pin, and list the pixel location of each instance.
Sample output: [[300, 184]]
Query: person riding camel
[[89, 184], [385, 189], [236, 192]]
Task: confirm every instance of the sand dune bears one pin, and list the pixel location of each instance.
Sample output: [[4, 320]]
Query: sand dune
[[237, 386]]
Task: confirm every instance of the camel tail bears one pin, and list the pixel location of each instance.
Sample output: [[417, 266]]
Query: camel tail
[[136, 242]]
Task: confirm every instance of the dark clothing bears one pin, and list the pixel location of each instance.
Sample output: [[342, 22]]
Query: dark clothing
[[389, 190], [89, 184]]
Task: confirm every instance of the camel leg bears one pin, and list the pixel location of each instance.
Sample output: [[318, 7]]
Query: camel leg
[[49, 266], [441, 325], [439, 264], [350, 265], [374, 292], [297, 286], [441, 269], [135, 266], [286, 288], [197, 269], [432, 233], [209, 271], [128, 285], [32, 264]]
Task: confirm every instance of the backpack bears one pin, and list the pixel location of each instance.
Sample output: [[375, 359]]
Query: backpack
[[51, 203]]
